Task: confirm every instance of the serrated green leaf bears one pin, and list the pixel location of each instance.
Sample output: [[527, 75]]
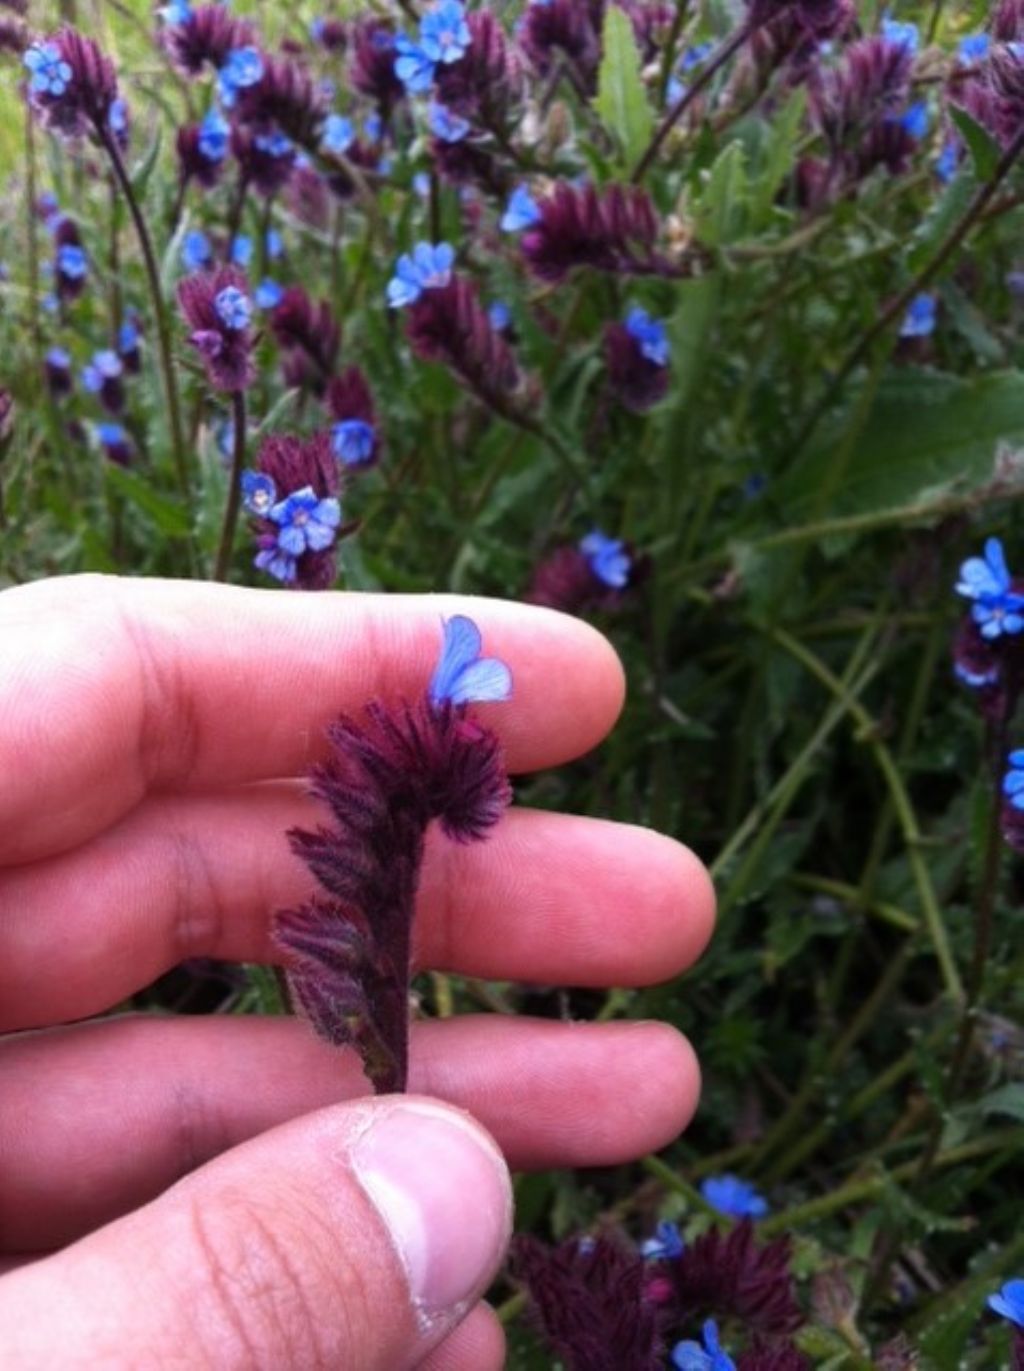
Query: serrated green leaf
[[621, 100], [984, 149]]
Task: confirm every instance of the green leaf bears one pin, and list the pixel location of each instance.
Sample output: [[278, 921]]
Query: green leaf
[[925, 431], [144, 167], [1008, 1101], [948, 208], [166, 513], [721, 211], [621, 97], [984, 150], [778, 156]]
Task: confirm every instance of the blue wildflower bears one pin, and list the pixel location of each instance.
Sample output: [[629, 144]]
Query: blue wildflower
[[105, 366], [730, 1195], [354, 441], [521, 211], [234, 308], [1009, 1302], [117, 119], [274, 144], [449, 127], [975, 679], [339, 134], [243, 67], [421, 184], [919, 320], [675, 90], [915, 119], [268, 294], [274, 244], [276, 563], [462, 676], [413, 67], [947, 160], [306, 522], [500, 315], [51, 75], [72, 261], [213, 136], [1013, 789], [694, 56], [691, 1356], [444, 33], [241, 250], [903, 35], [650, 334], [373, 127], [608, 559], [58, 357], [427, 267], [259, 493], [667, 1243], [974, 47], [128, 336], [116, 444], [176, 12], [195, 250], [997, 608]]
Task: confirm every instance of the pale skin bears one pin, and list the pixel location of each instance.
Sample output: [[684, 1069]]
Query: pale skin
[[153, 740]]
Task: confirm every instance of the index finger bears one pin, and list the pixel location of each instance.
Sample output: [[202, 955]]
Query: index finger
[[114, 688]]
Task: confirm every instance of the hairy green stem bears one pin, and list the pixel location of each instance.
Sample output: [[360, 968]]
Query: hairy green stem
[[227, 533]]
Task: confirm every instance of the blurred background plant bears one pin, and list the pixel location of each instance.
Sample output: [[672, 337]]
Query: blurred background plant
[[703, 321]]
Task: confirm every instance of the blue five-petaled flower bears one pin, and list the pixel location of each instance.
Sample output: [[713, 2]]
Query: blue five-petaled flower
[[997, 608], [919, 320], [51, 75], [449, 127], [522, 211], [234, 308], [691, 1356], [444, 33], [731, 1195], [608, 559], [353, 441], [1009, 1302], [72, 261], [413, 67], [650, 335], [667, 1243], [307, 522], [259, 493], [462, 676], [427, 267], [1013, 789]]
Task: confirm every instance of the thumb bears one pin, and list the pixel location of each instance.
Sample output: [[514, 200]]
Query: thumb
[[356, 1237]]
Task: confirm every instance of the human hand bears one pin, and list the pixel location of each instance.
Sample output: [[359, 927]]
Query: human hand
[[151, 737]]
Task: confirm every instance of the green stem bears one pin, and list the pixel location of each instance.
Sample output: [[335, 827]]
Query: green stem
[[160, 313], [227, 533]]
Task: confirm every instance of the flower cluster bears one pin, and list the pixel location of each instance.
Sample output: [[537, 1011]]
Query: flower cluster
[[348, 949], [218, 307]]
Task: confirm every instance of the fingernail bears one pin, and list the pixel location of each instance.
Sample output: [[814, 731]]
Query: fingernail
[[443, 1191]]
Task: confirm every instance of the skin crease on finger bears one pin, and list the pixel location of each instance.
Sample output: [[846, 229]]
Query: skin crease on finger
[[101, 1117]]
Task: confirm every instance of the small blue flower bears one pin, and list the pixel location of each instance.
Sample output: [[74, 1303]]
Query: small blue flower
[[373, 127], [353, 441], [427, 267], [903, 35], [241, 250], [59, 358], [666, 1245], [915, 119], [730, 1195], [1013, 789], [234, 308], [195, 250], [307, 523], [675, 90], [462, 676], [693, 57], [691, 1356], [259, 493], [128, 336], [500, 316], [176, 12], [650, 334], [276, 563], [919, 320], [413, 67], [1009, 1302], [997, 608], [449, 127], [974, 47], [72, 261], [947, 160], [268, 294], [975, 679], [521, 211], [274, 144], [117, 119], [243, 67], [105, 366], [213, 136], [274, 244], [608, 559], [339, 134], [51, 75], [421, 184], [112, 435], [444, 33]]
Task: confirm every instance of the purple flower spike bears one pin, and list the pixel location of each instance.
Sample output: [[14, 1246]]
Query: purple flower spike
[[348, 950], [72, 85], [216, 305], [205, 37], [612, 230]]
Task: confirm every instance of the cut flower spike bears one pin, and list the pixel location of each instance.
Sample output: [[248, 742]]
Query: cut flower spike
[[347, 951]]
